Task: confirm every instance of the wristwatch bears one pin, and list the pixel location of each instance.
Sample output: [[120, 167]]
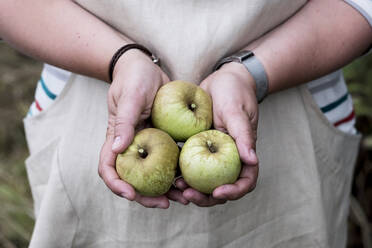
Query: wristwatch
[[254, 67]]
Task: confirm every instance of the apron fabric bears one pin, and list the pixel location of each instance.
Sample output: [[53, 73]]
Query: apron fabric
[[306, 164]]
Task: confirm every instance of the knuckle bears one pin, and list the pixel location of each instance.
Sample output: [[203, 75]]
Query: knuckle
[[136, 90], [140, 92], [252, 115], [235, 110], [111, 185], [236, 196], [122, 124], [100, 171], [121, 121], [213, 201], [111, 92], [111, 122], [220, 127], [109, 132], [147, 205], [253, 187], [113, 97], [246, 135], [254, 184], [243, 190], [254, 135], [205, 205], [249, 189], [201, 203]]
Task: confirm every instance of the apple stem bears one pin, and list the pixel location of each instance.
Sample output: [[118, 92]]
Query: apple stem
[[209, 143], [211, 148], [142, 153], [192, 106]]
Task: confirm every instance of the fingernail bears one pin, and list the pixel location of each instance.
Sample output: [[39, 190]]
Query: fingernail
[[116, 143], [252, 154]]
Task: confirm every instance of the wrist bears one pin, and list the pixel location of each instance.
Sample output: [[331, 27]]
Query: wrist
[[133, 56], [134, 51], [255, 68], [239, 70]]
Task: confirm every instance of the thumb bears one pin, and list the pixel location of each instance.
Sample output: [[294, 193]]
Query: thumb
[[240, 128], [127, 117]]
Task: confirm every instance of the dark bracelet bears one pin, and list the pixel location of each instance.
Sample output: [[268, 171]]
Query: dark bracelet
[[125, 48]]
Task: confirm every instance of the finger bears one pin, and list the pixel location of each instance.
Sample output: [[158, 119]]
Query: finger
[[245, 184], [222, 129], [181, 184], [128, 114], [176, 195], [106, 170], [153, 202], [140, 126], [201, 199], [240, 128]]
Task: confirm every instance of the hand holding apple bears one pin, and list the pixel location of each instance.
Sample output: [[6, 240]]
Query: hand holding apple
[[209, 159], [149, 163], [130, 99], [237, 115]]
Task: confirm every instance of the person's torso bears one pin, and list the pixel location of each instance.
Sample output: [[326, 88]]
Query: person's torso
[[295, 201]]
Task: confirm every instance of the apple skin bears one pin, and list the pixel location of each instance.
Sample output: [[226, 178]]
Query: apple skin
[[209, 159], [182, 109], [151, 172]]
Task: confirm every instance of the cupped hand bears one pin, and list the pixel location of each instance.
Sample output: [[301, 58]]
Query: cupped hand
[[136, 79], [235, 111]]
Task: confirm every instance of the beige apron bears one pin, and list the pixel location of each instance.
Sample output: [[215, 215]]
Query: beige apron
[[306, 165]]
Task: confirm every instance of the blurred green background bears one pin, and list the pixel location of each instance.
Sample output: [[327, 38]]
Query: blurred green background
[[18, 77]]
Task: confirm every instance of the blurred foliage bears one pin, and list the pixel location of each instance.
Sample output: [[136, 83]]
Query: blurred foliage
[[18, 77], [359, 79], [16, 216]]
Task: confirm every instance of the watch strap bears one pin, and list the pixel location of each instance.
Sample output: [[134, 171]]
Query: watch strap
[[254, 67], [257, 70]]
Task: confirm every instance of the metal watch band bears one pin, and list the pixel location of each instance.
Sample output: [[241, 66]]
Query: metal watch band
[[254, 67], [257, 70]]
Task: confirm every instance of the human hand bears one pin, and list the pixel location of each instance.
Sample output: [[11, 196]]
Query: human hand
[[136, 79], [235, 111]]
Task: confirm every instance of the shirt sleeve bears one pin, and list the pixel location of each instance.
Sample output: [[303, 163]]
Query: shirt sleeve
[[364, 7]]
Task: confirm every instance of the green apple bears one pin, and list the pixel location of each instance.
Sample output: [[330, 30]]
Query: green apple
[[149, 163], [209, 159], [182, 109]]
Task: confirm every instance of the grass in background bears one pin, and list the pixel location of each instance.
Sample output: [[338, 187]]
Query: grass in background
[[359, 78], [18, 77], [16, 216]]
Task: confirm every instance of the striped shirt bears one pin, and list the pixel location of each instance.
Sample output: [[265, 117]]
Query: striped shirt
[[49, 86], [330, 94]]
